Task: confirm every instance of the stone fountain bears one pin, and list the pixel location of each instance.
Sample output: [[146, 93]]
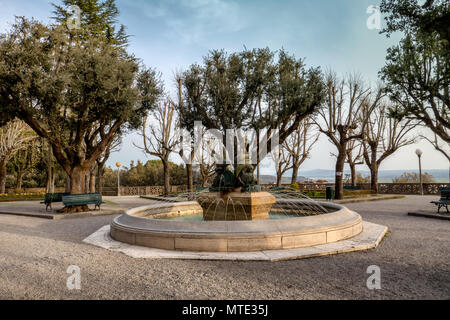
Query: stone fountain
[[236, 216]]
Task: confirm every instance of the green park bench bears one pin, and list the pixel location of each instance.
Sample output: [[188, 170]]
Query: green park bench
[[444, 201], [83, 200], [53, 197]]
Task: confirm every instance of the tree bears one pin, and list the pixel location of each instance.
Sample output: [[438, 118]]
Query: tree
[[14, 136], [442, 147], [205, 158], [224, 92], [339, 118], [24, 161], [383, 137], [359, 178], [162, 140], [283, 163], [409, 16], [187, 124], [78, 97], [101, 162], [299, 145], [98, 19], [417, 71], [354, 159], [413, 177]]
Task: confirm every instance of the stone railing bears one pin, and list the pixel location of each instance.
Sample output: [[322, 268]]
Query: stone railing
[[383, 188], [302, 186], [141, 191], [411, 188]]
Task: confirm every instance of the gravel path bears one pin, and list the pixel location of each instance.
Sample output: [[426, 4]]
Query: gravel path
[[414, 260]]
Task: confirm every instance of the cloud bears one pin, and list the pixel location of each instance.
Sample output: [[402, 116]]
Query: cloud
[[194, 21]]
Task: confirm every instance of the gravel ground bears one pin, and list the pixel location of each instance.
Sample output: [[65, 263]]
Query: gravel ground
[[414, 259]]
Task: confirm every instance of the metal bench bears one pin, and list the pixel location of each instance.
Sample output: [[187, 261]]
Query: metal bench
[[53, 197], [444, 201], [83, 200]]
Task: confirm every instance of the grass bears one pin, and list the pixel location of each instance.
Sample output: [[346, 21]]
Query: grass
[[21, 197]]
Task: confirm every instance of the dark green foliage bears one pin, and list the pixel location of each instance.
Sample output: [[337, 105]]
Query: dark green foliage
[[409, 16], [417, 71], [249, 89], [78, 97], [148, 174], [98, 19]]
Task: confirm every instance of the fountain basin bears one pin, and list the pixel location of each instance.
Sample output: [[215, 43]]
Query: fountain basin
[[136, 227]]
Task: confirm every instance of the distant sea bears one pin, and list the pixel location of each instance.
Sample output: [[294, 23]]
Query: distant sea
[[440, 175]]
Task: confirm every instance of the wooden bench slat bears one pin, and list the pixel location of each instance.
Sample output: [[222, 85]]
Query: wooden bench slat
[[83, 199]]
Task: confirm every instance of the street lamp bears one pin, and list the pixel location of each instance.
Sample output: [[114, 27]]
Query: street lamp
[[118, 164], [419, 154]]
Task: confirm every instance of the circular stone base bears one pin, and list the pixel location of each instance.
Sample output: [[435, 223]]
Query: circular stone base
[[233, 236]]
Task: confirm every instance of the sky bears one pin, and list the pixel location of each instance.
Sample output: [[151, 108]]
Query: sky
[[170, 35]]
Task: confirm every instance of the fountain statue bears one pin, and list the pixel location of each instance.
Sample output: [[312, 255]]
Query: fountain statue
[[235, 196]]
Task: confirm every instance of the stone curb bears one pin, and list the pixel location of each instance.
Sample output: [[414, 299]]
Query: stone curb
[[432, 215], [59, 216], [382, 198], [370, 238]]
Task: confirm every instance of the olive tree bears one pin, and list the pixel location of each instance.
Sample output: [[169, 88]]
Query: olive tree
[[250, 90], [77, 96]]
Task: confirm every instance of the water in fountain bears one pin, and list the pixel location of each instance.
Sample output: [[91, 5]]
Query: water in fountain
[[289, 203]]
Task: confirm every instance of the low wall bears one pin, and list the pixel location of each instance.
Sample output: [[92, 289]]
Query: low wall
[[411, 188], [384, 188], [141, 191]]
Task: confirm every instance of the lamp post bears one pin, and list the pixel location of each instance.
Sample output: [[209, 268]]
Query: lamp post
[[419, 154], [118, 164]]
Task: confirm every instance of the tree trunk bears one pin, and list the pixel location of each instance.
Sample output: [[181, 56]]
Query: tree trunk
[[294, 174], [100, 178], [374, 177], [92, 181], [68, 184], [50, 171], [204, 180], [3, 175], [279, 179], [339, 184], [374, 170], [353, 172], [190, 178], [87, 180], [166, 177], [203, 173], [258, 175], [19, 180], [77, 180]]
